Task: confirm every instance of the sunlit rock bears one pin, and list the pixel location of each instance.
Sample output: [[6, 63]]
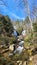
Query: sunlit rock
[[19, 49], [24, 32], [21, 43], [11, 47]]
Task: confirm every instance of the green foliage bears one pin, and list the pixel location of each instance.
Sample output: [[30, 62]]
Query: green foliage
[[19, 30], [10, 63], [19, 26], [7, 25], [26, 45], [13, 39], [1, 24], [30, 63], [24, 56], [35, 32], [35, 27], [28, 38], [4, 40], [7, 40]]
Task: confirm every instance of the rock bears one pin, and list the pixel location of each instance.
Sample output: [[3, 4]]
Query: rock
[[24, 63], [24, 32], [10, 54], [31, 58], [20, 37], [19, 62], [11, 47], [19, 49], [18, 40], [34, 60], [21, 43]]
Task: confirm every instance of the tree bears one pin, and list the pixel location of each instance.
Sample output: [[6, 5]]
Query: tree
[[25, 6], [3, 3], [7, 25], [19, 26], [34, 9], [1, 25], [35, 26]]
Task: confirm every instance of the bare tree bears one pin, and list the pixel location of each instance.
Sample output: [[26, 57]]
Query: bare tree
[[3, 3], [34, 9], [25, 5]]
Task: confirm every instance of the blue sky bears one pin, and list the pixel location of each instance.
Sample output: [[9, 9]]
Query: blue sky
[[13, 11]]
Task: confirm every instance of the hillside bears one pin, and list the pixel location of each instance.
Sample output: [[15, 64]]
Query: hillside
[[20, 49]]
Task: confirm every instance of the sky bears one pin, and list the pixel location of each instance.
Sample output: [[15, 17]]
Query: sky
[[13, 11]]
